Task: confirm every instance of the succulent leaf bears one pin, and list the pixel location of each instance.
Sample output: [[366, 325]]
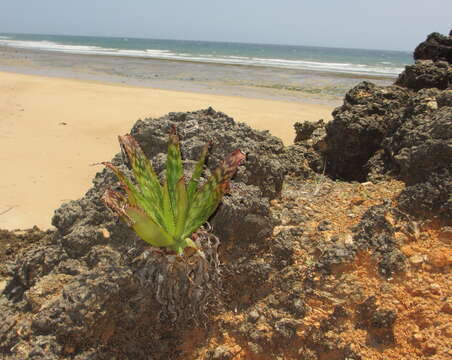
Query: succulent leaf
[[167, 215], [174, 168], [208, 197], [147, 229], [193, 183], [142, 169], [182, 207], [168, 211]]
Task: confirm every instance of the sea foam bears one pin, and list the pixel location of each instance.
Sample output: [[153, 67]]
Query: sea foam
[[337, 67]]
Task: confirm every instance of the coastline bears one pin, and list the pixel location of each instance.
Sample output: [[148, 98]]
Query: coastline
[[208, 78], [52, 129]]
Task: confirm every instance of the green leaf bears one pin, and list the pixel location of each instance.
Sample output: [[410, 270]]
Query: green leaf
[[142, 169], [193, 183], [208, 197], [174, 168], [135, 196], [127, 185], [182, 207], [168, 215], [147, 229], [202, 206]]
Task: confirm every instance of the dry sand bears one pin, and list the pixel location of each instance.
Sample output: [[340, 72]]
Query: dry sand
[[52, 129]]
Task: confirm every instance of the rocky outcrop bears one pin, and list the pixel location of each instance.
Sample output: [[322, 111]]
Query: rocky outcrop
[[401, 131], [422, 144], [305, 157], [431, 197], [95, 283], [426, 74], [436, 47], [433, 65], [324, 270], [368, 115], [263, 167]]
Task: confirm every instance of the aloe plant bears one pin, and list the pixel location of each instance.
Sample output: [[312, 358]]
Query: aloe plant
[[166, 215]]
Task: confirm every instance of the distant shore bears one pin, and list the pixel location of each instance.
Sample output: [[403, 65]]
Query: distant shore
[[209, 78]]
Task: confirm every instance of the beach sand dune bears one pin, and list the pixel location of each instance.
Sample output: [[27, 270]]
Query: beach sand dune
[[53, 129]]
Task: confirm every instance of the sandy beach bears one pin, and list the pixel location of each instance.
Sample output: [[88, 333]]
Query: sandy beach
[[53, 129]]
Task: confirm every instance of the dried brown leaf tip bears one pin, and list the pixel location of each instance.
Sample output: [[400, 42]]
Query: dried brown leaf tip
[[167, 214]]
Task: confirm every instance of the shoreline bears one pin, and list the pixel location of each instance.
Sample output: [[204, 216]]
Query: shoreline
[[52, 129], [205, 78], [325, 73]]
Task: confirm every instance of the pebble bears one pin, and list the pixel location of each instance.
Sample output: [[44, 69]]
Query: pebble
[[440, 257], [105, 233], [447, 307], [417, 259], [253, 316], [418, 337], [367, 183], [446, 235], [3, 284], [435, 288], [348, 239]]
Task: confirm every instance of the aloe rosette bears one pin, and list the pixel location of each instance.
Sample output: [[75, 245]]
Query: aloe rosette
[[166, 215]]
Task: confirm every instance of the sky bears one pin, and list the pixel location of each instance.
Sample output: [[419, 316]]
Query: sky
[[365, 24]]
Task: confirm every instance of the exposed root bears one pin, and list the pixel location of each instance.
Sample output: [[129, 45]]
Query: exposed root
[[183, 285]]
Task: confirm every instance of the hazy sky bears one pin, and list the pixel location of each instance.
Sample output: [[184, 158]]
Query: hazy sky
[[381, 24]]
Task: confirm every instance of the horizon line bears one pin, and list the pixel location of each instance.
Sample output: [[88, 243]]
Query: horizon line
[[207, 41]]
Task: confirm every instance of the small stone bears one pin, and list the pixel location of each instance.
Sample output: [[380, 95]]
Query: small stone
[[432, 104], [440, 257], [418, 337], [3, 284], [430, 348], [253, 316], [348, 239], [447, 331], [417, 259], [435, 288], [222, 352], [105, 233], [446, 235], [447, 307]]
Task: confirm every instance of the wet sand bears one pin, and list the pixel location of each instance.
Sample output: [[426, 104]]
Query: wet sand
[[52, 129], [208, 78]]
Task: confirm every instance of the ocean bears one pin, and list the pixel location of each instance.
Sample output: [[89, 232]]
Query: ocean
[[384, 63]]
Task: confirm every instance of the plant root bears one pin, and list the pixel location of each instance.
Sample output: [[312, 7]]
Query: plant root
[[184, 286]]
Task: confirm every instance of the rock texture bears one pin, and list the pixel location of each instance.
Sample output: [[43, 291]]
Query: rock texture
[[93, 283], [426, 74], [305, 157], [368, 115], [308, 267], [401, 131], [263, 167], [436, 47]]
